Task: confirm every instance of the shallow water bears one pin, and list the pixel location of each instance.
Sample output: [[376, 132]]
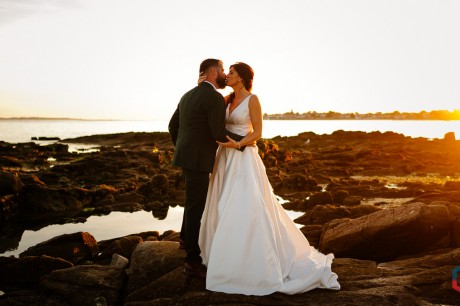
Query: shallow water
[[116, 224]]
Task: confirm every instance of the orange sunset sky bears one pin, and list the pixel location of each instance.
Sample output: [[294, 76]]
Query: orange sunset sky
[[115, 59]]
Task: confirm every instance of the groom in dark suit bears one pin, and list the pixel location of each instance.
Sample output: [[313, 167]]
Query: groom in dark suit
[[196, 125]]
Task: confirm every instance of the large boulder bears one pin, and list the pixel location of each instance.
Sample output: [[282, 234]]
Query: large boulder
[[151, 260], [86, 285], [389, 233]]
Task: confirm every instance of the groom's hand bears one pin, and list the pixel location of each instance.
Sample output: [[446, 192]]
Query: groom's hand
[[232, 144]]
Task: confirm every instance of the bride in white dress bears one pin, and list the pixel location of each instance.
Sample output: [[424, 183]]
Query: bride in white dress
[[248, 242]]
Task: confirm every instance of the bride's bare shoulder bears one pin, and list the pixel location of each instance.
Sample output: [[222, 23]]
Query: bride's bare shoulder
[[254, 99]]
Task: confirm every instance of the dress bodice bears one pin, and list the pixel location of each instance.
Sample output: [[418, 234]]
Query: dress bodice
[[239, 120]]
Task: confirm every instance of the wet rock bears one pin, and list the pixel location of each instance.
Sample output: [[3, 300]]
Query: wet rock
[[39, 202], [29, 269], [151, 260], [86, 285], [8, 209], [339, 196], [312, 233], [352, 200], [9, 161], [157, 188], [9, 183], [320, 198], [129, 197], [322, 214], [297, 182], [123, 246], [389, 233], [76, 247]]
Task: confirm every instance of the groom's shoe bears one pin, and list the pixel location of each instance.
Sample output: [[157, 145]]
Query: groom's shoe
[[195, 269]]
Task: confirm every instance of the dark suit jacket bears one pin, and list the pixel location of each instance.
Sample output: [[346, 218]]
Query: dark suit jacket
[[196, 125]]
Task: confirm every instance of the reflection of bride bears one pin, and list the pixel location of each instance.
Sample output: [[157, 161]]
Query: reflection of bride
[[247, 241]]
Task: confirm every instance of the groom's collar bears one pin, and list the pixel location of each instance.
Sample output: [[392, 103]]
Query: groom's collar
[[210, 84]]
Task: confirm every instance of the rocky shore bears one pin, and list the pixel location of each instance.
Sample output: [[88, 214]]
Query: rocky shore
[[387, 206]]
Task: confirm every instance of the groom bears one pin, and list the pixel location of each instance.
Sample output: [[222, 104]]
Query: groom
[[196, 125]]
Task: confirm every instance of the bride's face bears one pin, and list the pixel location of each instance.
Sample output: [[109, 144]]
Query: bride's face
[[233, 78]]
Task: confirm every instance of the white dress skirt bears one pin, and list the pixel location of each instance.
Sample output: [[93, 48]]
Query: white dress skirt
[[248, 242]]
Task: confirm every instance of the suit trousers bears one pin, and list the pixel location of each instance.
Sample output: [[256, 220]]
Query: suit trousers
[[196, 189]]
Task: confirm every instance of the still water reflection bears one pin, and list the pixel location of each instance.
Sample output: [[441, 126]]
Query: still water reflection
[[116, 224]]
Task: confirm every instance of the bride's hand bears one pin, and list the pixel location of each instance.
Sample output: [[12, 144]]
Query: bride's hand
[[201, 78], [230, 143]]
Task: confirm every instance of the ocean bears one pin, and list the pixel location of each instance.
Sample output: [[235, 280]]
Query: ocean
[[17, 130]]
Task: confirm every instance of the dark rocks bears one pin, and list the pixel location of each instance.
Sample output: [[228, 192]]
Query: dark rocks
[[86, 285], [29, 269], [76, 247], [123, 246], [157, 188], [132, 171], [9, 183], [387, 234], [151, 260], [39, 202]]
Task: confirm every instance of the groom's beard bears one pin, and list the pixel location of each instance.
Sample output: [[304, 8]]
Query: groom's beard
[[221, 82]]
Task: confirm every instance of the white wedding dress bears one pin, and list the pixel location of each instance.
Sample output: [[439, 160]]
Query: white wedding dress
[[247, 241]]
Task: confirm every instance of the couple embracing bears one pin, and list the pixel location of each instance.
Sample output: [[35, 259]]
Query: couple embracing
[[235, 232]]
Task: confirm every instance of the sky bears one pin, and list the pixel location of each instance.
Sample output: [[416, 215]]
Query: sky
[[134, 59]]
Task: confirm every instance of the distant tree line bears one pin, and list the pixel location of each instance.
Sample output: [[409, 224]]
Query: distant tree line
[[312, 115]]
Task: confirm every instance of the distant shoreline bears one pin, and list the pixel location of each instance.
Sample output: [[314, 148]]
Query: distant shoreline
[[435, 115], [265, 118]]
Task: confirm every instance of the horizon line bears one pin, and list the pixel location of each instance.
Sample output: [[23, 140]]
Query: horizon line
[[89, 119]]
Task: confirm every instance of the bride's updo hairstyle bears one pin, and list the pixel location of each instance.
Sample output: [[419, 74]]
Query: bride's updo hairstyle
[[246, 74]]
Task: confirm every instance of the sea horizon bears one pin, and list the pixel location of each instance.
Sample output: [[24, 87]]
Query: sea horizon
[[29, 130]]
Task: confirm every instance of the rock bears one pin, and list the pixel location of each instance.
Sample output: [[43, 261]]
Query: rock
[[151, 260], [76, 247], [321, 214], [455, 235], [39, 202], [320, 198], [450, 136], [339, 196], [312, 233], [159, 209], [86, 285], [129, 197], [9, 183], [174, 283], [123, 246], [352, 201], [387, 234], [157, 188], [452, 185], [119, 261], [297, 182], [29, 269]]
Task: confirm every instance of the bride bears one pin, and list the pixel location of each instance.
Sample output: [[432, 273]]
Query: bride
[[248, 242]]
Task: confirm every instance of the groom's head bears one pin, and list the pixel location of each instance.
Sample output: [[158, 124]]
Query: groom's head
[[214, 71]]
